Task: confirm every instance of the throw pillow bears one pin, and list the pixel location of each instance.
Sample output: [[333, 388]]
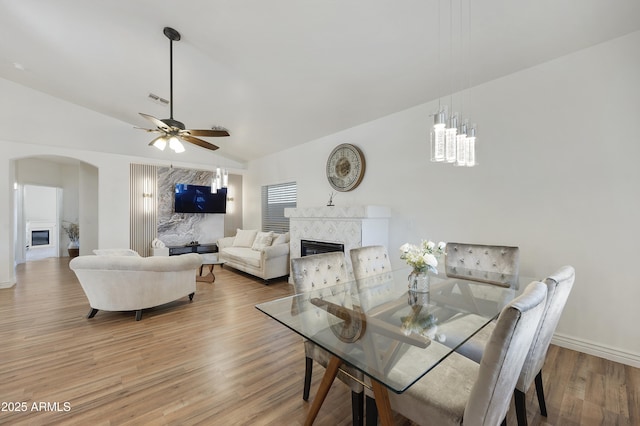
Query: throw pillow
[[245, 237], [263, 239], [281, 239]]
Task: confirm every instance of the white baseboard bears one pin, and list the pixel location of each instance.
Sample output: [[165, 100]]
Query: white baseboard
[[596, 349], [7, 284]]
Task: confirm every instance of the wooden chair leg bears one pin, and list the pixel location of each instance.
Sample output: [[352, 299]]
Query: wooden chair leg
[[372, 412], [357, 407], [308, 369], [325, 385], [540, 393], [521, 407]]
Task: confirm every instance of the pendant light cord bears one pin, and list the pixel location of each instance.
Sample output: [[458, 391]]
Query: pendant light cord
[[439, 55], [451, 57]]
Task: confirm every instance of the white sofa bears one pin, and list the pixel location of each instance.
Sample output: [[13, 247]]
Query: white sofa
[[115, 281], [262, 254]]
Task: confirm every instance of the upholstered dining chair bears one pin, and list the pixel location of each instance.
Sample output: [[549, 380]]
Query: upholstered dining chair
[[372, 271], [559, 285], [459, 391], [371, 264], [314, 273], [369, 261], [485, 263]]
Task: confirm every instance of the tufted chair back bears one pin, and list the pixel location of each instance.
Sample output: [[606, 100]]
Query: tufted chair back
[[319, 270], [372, 271], [369, 261], [490, 264]]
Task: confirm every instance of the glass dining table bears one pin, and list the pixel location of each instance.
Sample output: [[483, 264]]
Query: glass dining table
[[393, 335]]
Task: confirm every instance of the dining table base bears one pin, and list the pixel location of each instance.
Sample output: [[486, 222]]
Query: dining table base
[[385, 414]]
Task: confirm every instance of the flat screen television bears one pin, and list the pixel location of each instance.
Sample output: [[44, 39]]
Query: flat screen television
[[199, 199]]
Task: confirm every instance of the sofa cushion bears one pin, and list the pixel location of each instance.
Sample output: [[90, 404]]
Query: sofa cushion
[[242, 255], [115, 252], [263, 239], [245, 237]]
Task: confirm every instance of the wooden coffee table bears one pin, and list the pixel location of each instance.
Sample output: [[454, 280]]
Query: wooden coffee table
[[209, 260]]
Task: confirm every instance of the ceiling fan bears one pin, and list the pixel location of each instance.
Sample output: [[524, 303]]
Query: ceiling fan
[[171, 131]]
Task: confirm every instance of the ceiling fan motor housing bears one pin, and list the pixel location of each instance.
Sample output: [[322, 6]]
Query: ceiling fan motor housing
[[173, 123]]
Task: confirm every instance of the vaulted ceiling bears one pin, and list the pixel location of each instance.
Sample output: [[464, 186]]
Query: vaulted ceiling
[[278, 73]]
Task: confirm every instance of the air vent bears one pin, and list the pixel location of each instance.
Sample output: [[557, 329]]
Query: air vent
[[158, 99]]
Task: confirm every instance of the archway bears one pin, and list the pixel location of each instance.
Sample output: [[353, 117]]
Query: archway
[[77, 181]]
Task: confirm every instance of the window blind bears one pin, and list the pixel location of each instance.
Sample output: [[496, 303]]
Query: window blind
[[276, 198]]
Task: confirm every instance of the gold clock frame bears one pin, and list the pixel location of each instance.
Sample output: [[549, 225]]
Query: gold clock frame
[[341, 173]]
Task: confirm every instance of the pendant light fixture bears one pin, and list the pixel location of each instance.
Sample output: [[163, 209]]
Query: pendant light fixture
[[471, 147], [450, 142], [438, 136], [461, 146], [219, 180], [450, 139]]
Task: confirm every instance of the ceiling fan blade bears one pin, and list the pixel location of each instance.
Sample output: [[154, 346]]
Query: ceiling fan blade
[[208, 133], [199, 142], [158, 123], [149, 130]]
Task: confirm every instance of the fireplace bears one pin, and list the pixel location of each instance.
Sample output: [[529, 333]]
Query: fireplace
[[40, 237], [309, 247]]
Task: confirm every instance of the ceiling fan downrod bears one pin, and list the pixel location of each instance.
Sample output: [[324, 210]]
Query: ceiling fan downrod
[[172, 35]]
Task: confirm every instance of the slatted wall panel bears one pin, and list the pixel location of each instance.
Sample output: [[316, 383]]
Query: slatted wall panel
[[143, 220]]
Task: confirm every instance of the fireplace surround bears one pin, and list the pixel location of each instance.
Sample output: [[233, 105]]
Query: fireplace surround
[[351, 226]]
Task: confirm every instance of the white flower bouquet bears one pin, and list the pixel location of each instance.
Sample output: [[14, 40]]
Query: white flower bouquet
[[423, 257]]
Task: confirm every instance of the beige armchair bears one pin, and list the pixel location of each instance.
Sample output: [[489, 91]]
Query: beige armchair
[[134, 283], [315, 273]]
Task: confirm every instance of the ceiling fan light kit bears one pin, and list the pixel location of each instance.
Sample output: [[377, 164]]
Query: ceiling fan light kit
[[173, 131]]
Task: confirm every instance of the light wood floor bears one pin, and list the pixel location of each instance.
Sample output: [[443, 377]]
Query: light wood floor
[[215, 361]]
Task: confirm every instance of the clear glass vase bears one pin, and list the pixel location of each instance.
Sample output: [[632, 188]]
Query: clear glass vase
[[419, 282]]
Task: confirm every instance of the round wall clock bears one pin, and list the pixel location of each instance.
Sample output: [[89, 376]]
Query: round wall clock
[[345, 167]]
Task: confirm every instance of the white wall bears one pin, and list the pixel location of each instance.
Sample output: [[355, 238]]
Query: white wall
[[558, 177], [89, 208], [40, 203]]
